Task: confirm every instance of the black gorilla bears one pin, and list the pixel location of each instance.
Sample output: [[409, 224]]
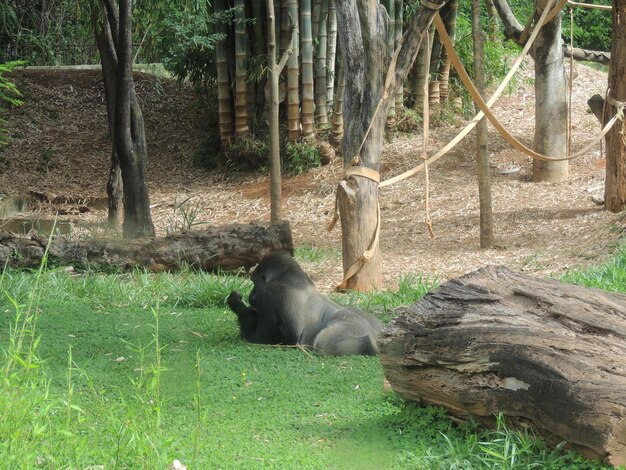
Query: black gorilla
[[286, 308]]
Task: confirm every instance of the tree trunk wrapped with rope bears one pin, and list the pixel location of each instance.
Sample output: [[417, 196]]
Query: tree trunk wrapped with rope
[[538, 350]]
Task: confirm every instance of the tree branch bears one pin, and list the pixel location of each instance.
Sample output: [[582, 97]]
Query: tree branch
[[512, 28], [599, 57], [412, 41]]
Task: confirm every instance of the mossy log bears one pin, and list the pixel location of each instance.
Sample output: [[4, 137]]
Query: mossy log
[[226, 248], [494, 340]]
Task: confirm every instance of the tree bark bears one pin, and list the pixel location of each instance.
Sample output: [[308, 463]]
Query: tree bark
[[550, 91], [226, 248], [106, 40], [550, 103], [130, 140], [275, 177], [293, 87], [449, 15], [224, 96], [363, 35], [308, 93], [241, 84], [498, 341], [482, 141], [615, 183], [321, 106]]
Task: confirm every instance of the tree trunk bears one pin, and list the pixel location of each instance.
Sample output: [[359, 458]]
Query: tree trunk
[[550, 103], [108, 58], [226, 248], [130, 140], [390, 5], [482, 142], [321, 109], [275, 178], [363, 37], [493, 26], [224, 96], [615, 183], [293, 89], [449, 15], [399, 104], [308, 93], [258, 44], [421, 73], [336, 134], [332, 55], [241, 85], [497, 341]]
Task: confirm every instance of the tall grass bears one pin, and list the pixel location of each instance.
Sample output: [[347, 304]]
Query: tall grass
[[136, 370]]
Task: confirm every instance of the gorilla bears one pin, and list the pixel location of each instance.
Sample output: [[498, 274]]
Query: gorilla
[[286, 308]]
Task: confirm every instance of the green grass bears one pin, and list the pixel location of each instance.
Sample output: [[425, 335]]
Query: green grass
[[136, 370], [610, 276]]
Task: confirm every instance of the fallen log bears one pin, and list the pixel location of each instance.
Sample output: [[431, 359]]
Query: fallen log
[[499, 341], [226, 248]]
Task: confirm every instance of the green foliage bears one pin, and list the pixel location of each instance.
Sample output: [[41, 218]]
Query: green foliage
[[141, 369], [311, 254], [298, 157], [610, 276], [469, 448], [247, 152], [496, 52], [592, 28], [9, 96], [57, 32], [411, 288]]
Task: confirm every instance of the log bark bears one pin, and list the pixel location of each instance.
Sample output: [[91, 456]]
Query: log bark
[[498, 341], [225, 248]]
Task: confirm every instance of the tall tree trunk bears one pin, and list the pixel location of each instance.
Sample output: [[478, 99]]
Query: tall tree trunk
[[224, 96], [494, 26], [130, 136], [421, 72], [315, 17], [308, 93], [482, 150], [550, 103], [332, 55], [390, 124], [435, 60], [449, 15], [615, 183], [293, 89], [321, 108], [258, 44], [399, 104], [108, 58], [336, 133], [363, 37], [275, 190], [241, 85]]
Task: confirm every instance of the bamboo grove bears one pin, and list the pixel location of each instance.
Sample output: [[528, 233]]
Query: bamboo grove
[[312, 82]]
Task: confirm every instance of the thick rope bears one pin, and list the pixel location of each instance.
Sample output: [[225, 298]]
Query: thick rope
[[492, 118], [591, 6], [478, 116]]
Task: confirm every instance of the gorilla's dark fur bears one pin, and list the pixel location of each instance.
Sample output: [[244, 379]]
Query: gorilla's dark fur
[[286, 308]]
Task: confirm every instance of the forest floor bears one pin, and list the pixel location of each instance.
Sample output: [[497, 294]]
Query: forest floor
[[60, 146]]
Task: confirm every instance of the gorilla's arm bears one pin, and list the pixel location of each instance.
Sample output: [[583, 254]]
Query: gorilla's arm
[[255, 324], [246, 316]]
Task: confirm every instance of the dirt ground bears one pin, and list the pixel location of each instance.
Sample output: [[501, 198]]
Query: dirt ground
[[60, 145]]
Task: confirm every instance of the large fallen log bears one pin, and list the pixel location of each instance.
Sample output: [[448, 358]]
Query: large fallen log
[[226, 248], [498, 341]]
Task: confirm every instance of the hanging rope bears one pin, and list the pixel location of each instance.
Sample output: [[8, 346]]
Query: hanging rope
[[480, 115]]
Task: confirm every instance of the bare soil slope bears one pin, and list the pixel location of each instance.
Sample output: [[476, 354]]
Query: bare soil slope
[[60, 145]]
